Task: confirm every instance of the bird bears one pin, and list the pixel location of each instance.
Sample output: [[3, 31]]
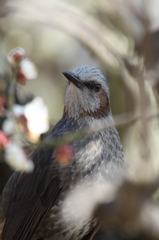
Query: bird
[[32, 203]]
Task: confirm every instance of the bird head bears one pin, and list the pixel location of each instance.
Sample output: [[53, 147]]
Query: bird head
[[87, 93]]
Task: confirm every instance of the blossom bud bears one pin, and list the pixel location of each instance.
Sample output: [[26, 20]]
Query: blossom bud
[[4, 140], [15, 56], [64, 154]]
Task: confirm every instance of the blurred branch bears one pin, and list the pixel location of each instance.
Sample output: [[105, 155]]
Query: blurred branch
[[74, 22], [125, 119], [119, 120]]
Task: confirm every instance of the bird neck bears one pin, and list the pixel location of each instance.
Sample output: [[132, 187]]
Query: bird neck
[[97, 114], [99, 118]]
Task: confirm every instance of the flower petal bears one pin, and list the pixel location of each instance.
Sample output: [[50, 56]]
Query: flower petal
[[28, 69], [37, 116], [17, 159]]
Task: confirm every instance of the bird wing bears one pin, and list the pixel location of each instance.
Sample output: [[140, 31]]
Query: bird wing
[[27, 198]]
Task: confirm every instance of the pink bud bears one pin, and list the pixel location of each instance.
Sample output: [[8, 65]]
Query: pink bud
[[15, 56], [4, 140], [21, 79], [64, 154]]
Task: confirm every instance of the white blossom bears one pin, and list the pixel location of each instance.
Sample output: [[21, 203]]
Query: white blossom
[[28, 69], [18, 110], [9, 126], [17, 159], [37, 116]]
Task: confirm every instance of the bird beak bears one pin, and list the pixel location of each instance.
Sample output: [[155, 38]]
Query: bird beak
[[72, 78]]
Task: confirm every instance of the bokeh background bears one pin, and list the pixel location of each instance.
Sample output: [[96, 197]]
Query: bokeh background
[[62, 42], [72, 34], [120, 37]]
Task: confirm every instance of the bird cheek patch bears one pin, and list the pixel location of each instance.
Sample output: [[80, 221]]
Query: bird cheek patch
[[104, 102]]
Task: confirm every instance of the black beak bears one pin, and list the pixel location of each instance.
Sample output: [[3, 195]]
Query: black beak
[[72, 78]]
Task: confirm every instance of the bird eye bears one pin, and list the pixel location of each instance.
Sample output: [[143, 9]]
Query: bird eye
[[97, 87]]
